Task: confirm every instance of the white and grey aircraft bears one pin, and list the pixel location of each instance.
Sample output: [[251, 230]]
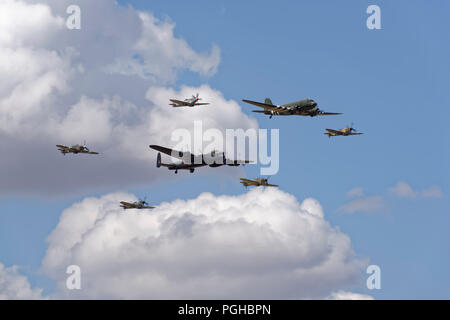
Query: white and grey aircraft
[[189, 102]]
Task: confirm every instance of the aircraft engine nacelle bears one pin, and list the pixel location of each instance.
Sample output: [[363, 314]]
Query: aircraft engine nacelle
[[233, 164], [214, 159], [158, 160]]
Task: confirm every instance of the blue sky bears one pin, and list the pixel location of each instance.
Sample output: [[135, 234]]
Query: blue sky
[[390, 83]]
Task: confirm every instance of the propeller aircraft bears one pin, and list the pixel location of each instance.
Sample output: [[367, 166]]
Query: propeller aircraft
[[189, 102], [141, 204], [257, 182], [191, 162], [75, 149], [306, 107], [349, 131]]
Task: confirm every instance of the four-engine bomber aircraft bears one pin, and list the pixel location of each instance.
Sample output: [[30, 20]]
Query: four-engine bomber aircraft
[[141, 204], [190, 102], [349, 131], [306, 107], [257, 182], [74, 149], [191, 162]]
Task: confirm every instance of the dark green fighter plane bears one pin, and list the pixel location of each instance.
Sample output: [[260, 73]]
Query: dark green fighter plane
[[306, 107]]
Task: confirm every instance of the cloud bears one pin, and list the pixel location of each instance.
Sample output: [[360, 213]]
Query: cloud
[[344, 295], [432, 192], [14, 286], [355, 192], [158, 54], [54, 89], [371, 204], [262, 244], [404, 190], [22, 23], [374, 204]]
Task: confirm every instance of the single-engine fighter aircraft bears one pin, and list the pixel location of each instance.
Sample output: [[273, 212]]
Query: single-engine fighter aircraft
[[306, 107], [349, 131], [190, 102], [191, 162], [75, 149], [141, 204], [257, 182]]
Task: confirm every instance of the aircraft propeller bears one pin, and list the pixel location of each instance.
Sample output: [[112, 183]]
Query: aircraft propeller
[[351, 127], [85, 146]]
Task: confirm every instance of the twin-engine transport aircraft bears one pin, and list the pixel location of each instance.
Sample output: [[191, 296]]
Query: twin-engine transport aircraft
[[349, 131], [190, 102], [141, 204], [191, 162], [74, 149], [257, 182], [306, 107]]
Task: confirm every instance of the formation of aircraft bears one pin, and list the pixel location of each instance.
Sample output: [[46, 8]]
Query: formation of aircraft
[[349, 131], [141, 204], [257, 182], [191, 162], [189, 102], [75, 149], [305, 107]]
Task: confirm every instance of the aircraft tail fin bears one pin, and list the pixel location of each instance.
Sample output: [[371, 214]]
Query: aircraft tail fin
[[268, 101]]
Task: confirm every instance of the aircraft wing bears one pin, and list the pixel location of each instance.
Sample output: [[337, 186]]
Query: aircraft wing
[[127, 204], [355, 133], [247, 181], [89, 152], [238, 161], [148, 207], [201, 104], [61, 147], [329, 114], [178, 102], [271, 185], [170, 152], [334, 131], [266, 106]]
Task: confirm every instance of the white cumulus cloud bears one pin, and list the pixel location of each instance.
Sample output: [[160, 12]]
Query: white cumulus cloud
[[14, 286], [262, 244], [55, 88], [158, 54]]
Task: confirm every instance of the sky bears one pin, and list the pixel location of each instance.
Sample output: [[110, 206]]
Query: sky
[[376, 199]]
